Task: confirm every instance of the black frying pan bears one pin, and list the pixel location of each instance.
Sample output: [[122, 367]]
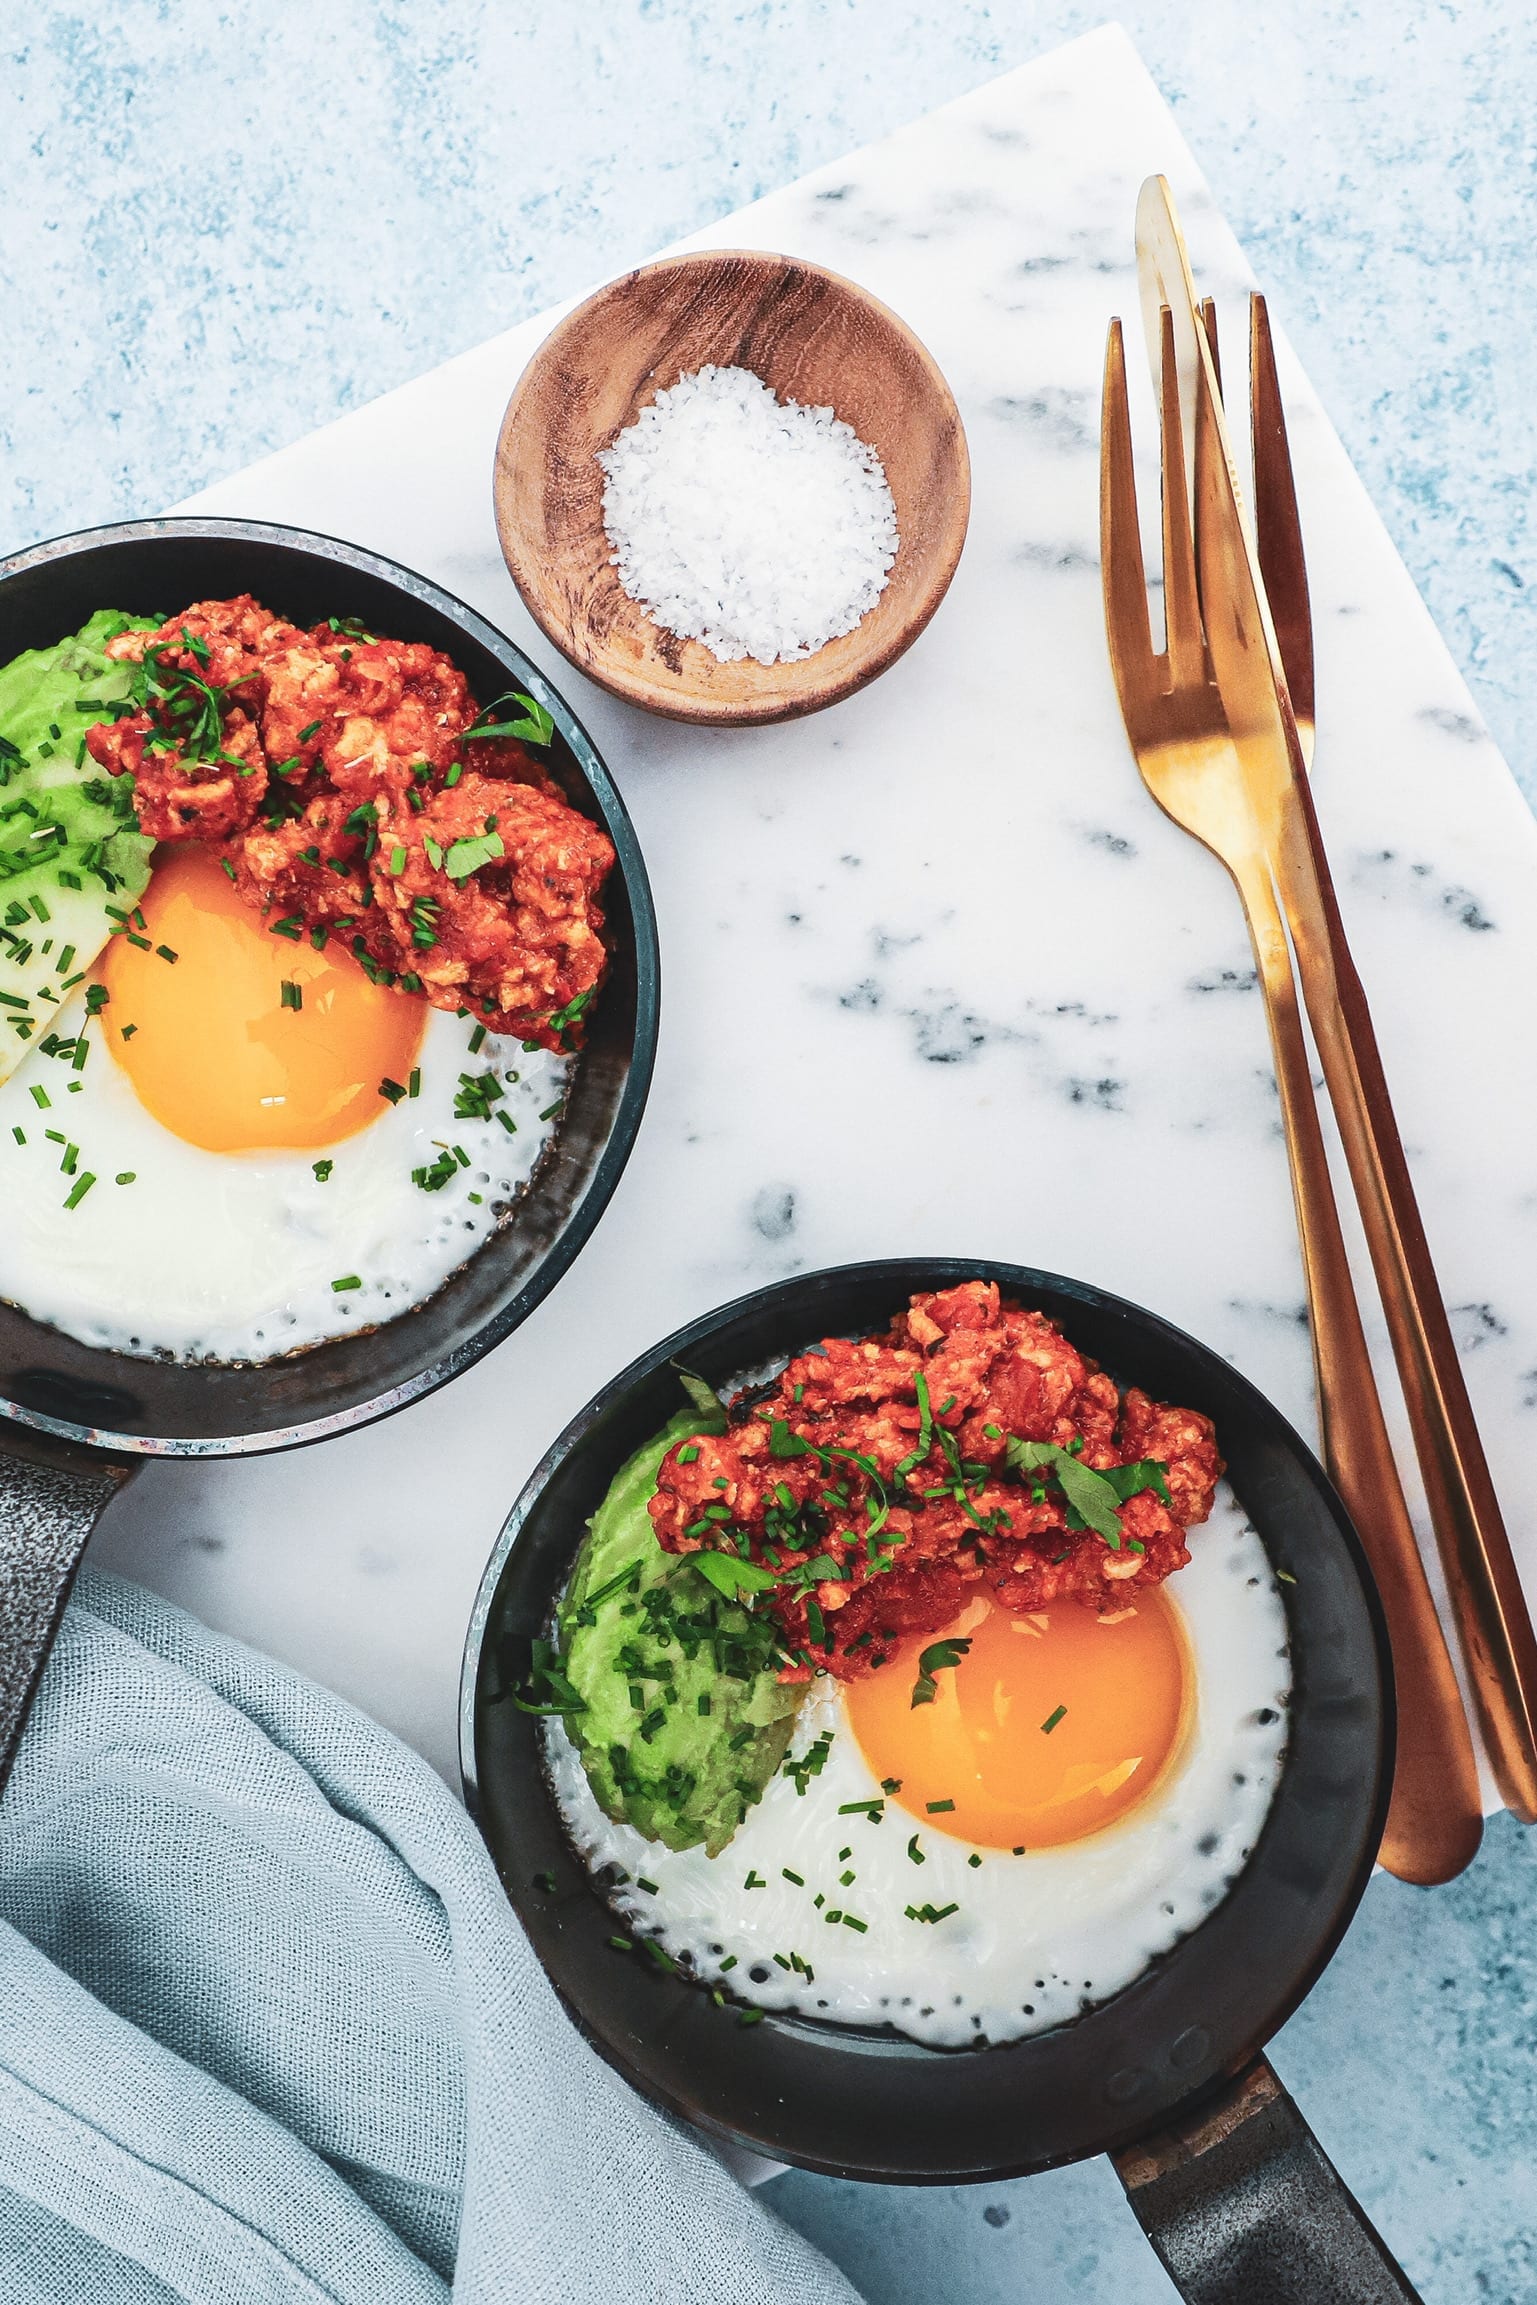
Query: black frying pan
[[75, 1420], [1167, 2076]]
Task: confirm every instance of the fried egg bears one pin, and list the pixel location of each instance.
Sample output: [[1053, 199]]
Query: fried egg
[[1075, 1798], [248, 1146]]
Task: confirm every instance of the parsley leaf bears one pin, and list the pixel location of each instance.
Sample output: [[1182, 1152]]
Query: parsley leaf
[[703, 1397], [732, 1577], [939, 1657], [1093, 1496], [536, 727], [466, 856]]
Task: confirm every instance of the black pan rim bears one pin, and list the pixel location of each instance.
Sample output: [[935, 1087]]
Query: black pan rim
[[50, 1432], [634, 2058]]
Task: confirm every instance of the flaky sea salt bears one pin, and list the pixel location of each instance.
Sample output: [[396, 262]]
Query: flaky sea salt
[[756, 525]]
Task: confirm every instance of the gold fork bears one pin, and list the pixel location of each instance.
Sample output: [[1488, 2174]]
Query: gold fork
[[1485, 1589], [1192, 767]]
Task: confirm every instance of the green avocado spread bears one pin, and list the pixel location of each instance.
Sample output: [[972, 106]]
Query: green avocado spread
[[71, 853], [668, 1688]]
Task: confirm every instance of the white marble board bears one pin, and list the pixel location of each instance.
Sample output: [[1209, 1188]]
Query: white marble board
[[937, 974]]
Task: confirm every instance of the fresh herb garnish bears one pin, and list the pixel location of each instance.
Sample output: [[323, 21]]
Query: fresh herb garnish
[[702, 1396], [546, 1688], [939, 1657], [463, 857], [1091, 1496], [535, 726], [730, 1577]]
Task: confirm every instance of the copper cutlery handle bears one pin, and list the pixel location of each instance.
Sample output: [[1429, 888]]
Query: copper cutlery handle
[[1493, 1624], [1434, 1822]]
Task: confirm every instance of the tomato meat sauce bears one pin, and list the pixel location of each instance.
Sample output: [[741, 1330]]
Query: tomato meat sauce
[[881, 1482], [353, 788]]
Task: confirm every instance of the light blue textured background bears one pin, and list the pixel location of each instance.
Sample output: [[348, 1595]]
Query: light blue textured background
[[223, 225]]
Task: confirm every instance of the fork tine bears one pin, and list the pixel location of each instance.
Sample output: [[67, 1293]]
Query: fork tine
[[1122, 572], [1183, 642], [1277, 528]]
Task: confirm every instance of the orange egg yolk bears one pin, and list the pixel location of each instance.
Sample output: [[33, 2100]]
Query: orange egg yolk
[[1049, 1728], [213, 1045]]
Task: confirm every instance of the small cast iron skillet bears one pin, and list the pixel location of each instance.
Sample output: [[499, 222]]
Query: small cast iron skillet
[[75, 1420], [1168, 2075]]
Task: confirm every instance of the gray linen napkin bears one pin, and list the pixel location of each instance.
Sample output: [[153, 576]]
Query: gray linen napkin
[[268, 2030]]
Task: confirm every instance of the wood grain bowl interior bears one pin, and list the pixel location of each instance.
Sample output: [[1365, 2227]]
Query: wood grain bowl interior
[[812, 337]]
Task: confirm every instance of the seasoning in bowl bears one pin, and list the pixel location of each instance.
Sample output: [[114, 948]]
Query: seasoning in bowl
[[762, 527]]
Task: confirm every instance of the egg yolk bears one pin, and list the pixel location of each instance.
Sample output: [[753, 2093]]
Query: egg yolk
[[1049, 1727], [214, 1046]]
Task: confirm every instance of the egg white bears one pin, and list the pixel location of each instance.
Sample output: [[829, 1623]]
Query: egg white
[[232, 1256], [1036, 1939]]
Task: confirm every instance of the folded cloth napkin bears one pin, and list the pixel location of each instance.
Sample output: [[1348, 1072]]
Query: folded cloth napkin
[[269, 2031]]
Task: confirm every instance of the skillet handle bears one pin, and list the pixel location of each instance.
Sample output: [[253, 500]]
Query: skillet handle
[[1245, 2208], [47, 1512]]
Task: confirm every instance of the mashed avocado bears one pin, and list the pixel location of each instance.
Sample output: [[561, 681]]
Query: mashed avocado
[[680, 1718], [70, 849]]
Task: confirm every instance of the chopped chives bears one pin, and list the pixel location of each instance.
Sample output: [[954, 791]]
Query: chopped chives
[[20, 1135], [83, 1185], [1049, 1723], [414, 1084], [795, 1877], [397, 858], [551, 1110], [291, 994], [347, 1281], [323, 1170], [125, 1176], [166, 953], [937, 1808]]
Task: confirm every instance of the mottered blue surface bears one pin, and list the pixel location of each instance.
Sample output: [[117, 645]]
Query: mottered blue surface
[[225, 225]]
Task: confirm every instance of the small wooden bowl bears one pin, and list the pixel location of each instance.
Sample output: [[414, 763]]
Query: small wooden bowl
[[812, 337]]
